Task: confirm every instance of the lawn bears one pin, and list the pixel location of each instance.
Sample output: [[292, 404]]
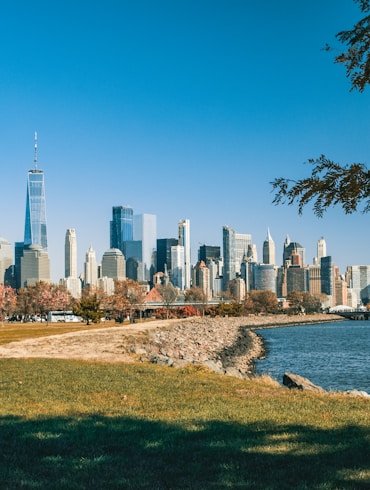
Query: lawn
[[84, 425]]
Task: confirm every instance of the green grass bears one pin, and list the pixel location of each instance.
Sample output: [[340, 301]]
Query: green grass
[[80, 425]]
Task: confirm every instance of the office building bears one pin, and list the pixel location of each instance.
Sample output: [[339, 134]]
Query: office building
[[264, 277], [6, 262], [145, 231], [321, 248], [314, 277], [177, 272], [237, 289], [121, 227], [327, 278], [163, 257], [289, 248], [243, 243], [35, 232], [228, 242], [184, 241], [268, 251], [297, 279], [358, 279], [114, 264], [35, 265], [91, 269], [70, 253], [209, 252], [106, 284]]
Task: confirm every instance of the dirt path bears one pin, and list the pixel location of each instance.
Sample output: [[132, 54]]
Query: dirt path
[[106, 344]]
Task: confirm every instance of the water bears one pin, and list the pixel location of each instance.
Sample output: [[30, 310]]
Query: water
[[335, 356]]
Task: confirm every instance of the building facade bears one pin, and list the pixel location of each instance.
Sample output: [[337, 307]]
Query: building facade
[[70, 253], [91, 269], [35, 230], [184, 241], [268, 251], [35, 265], [114, 264], [121, 227]]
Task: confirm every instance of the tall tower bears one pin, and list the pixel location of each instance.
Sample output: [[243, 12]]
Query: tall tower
[[70, 253], [228, 241], [35, 222], [145, 231], [121, 227], [184, 240], [321, 248], [91, 268], [269, 250]]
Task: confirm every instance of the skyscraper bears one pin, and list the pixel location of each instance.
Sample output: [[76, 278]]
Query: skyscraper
[[6, 260], [91, 268], [145, 230], [70, 253], [184, 240], [178, 266], [35, 223], [35, 265], [228, 240], [321, 248], [114, 264], [269, 250], [121, 227], [164, 253]]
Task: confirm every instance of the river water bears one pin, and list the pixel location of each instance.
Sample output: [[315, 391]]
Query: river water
[[335, 355]]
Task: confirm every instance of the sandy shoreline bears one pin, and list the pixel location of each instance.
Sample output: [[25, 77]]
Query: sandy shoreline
[[225, 345]]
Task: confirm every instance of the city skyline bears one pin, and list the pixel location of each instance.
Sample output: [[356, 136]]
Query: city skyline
[[182, 112]]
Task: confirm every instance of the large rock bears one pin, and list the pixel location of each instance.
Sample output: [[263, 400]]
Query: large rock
[[299, 382]]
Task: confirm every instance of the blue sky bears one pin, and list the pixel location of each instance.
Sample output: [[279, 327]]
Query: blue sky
[[179, 109]]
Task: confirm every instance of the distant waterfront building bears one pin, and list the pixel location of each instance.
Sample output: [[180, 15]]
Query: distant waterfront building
[[207, 252], [114, 264], [163, 257], [314, 277], [178, 266], [35, 232], [297, 279], [237, 289], [243, 243], [327, 277], [35, 265], [289, 248], [73, 285], [106, 284], [145, 231], [269, 250], [91, 268], [121, 227], [229, 270], [6, 261], [321, 248], [264, 277], [184, 241], [358, 279], [70, 253]]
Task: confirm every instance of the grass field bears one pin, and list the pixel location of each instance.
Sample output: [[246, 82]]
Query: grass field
[[83, 425]]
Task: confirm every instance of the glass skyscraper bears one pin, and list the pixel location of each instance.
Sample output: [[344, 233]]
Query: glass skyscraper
[[35, 232], [121, 227]]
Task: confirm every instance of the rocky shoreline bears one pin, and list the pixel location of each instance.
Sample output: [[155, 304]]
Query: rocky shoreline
[[225, 345]]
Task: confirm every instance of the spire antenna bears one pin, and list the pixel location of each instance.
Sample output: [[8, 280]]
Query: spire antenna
[[35, 154]]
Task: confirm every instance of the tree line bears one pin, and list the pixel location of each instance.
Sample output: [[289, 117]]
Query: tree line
[[127, 303]]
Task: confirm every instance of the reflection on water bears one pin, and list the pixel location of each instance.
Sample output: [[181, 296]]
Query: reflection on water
[[335, 356]]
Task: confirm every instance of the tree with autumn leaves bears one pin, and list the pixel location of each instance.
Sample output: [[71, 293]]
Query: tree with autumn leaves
[[8, 300]]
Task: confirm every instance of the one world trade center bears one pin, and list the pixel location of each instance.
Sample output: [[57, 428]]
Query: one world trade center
[[35, 222]]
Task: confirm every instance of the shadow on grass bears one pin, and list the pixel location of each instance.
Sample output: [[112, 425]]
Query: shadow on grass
[[111, 453]]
